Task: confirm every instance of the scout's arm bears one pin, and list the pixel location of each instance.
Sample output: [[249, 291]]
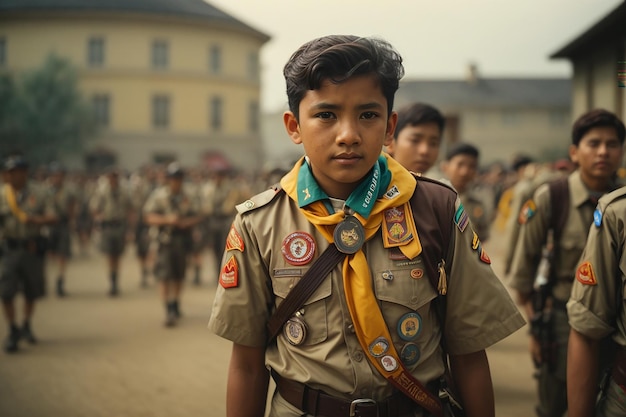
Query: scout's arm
[[582, 374], [473, 380], [246, 392]]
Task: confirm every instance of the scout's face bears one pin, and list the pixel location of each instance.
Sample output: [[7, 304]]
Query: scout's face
[[417, 147], [461, 171], [176, 184], [598, 154], [343, 128]]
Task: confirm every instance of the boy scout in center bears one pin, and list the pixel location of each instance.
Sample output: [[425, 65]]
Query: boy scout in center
[[366, 342]]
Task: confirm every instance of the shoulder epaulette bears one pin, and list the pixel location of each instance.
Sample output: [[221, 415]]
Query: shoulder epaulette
[[260, 199], [420, 177], [607, 199]]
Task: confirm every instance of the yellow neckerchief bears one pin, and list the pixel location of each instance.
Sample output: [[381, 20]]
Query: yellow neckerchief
[[9, 194], [368, 321]]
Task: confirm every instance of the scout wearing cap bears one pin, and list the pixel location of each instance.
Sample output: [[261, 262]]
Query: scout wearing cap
[[24, 210]]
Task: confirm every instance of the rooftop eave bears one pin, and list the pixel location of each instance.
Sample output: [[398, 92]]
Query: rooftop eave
[[611, 27]]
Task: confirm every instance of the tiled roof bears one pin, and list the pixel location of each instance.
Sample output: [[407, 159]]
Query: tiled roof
[[487, 93], [197, 9]]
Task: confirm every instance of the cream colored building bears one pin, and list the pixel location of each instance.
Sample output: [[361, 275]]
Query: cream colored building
[[598, 57], [503, 117], [168, 79]]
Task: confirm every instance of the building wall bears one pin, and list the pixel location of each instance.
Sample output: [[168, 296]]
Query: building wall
[[502, 133], [129, 80], [595, 82]]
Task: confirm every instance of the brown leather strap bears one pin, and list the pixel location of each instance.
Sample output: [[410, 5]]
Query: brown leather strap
[[317, 403], [303, 289], [619, 368]]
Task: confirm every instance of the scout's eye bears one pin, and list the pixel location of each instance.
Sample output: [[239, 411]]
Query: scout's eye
[[369, 115], [325, 115]]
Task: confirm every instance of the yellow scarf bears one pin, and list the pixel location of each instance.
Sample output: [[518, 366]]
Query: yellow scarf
[[9, 194], [367, 318]]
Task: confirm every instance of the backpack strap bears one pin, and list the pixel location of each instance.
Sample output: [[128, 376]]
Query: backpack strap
[[433, 209], [559, 206]]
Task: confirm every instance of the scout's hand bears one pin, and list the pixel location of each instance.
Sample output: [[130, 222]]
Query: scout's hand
[[535, 350]]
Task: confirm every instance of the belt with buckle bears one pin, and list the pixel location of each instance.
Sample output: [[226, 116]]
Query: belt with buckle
[[318, 403]]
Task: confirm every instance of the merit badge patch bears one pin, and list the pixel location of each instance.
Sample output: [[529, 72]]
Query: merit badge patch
[[298, 248], [410, 354], [389, 363], [393, 192], [229, 277], [597, 218], [409, 326], [475, 241], [585, 274], [527, 212], [461, 219], [234, 241], [417, 273], [484, 257], [396, 230], [379, 347]]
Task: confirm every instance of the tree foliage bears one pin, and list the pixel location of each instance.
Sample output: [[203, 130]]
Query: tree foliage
[[42, 113]]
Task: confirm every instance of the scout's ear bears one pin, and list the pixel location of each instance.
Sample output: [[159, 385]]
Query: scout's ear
[[392, 121], [573, 153], [292, 126]]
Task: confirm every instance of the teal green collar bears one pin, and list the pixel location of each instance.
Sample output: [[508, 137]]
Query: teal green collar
[[361, 200]]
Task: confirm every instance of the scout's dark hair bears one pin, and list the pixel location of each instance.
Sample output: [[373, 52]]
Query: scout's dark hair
[[462, 149], [338, 58], [417, 114], [597, 118]]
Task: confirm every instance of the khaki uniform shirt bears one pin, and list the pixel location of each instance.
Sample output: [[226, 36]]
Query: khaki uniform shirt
[[113, 205], [533, 236], [34, 201], [480, 311], [162, 201], [596, 306], [63, 198]]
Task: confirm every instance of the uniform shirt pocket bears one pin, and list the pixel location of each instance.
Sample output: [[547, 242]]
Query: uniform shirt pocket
[[313, 312]]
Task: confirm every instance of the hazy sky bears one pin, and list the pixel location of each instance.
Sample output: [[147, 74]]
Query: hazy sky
[[437, 39]]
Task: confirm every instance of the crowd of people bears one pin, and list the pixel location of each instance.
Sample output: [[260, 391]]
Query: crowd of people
[[415, 298]]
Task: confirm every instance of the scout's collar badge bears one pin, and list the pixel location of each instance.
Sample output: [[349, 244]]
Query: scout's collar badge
[[349, 235]]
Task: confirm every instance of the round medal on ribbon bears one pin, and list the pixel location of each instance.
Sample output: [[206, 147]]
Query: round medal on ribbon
[[349, 235], [295, 331]]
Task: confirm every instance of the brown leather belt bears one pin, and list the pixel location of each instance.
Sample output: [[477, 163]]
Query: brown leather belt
[[318, 403]]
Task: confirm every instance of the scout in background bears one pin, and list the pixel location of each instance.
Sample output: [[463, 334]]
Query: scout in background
[[417, 138], [65, 205], [367, 340], [555, 223], [24, 209], [460, 168], [111, 207], [175, 211], [596, 311]]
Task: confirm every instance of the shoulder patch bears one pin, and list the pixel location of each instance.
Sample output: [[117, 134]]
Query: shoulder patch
[[527, 212], [259, 200], [585, 274]]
